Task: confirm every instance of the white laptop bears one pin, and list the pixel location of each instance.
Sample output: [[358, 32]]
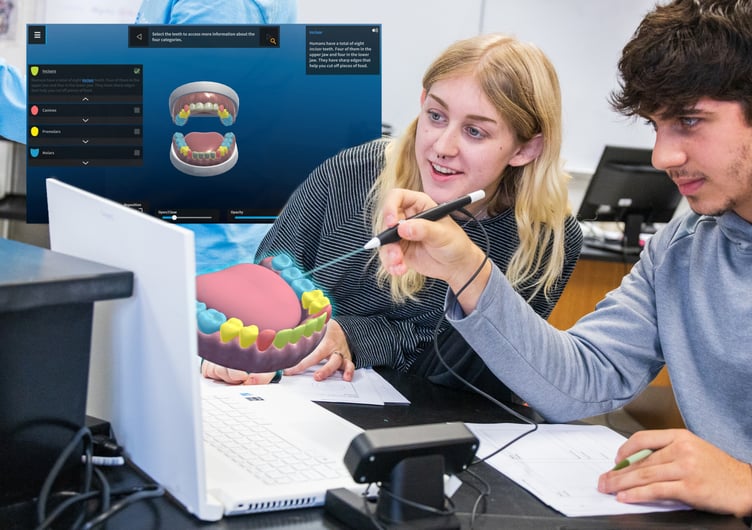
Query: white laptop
[[144, 376]]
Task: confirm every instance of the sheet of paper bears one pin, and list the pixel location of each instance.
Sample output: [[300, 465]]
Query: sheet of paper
[[388, 393], [366, 388], [560, 464]]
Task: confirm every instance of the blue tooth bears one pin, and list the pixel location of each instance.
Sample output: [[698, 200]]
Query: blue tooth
[[302, 285], [291, 274], [281, 262], [210, 320]]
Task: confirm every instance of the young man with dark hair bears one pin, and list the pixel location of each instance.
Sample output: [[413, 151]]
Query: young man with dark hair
[[686, 305]]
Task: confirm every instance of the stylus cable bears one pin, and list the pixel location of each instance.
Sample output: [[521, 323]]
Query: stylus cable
[[522, 418], [483, 495]]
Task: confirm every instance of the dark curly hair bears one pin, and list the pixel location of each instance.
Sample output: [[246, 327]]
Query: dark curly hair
[[686, 50]]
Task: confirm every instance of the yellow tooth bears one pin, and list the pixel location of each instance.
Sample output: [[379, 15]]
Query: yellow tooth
[[310, 296], [317, 305], [230, 329], [248, 335]]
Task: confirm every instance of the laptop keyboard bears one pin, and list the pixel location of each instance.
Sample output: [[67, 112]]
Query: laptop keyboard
[[250, 442]]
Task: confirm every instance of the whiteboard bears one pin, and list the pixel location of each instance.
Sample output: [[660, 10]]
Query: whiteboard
[[583, 39]]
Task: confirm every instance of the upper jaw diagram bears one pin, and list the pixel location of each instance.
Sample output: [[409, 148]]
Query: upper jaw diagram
[[204, 154]]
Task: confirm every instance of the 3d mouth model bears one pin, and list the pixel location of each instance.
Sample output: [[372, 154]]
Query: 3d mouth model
[[204, 154], [259, 317]]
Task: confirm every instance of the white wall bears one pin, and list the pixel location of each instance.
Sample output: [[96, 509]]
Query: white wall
[[414, 32], [583, 39], [13, 44]]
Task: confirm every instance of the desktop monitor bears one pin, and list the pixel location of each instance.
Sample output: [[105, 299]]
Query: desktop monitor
[[195, 124], [627, 188]]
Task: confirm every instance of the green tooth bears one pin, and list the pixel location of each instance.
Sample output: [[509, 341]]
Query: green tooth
[[282, 338], [296, 333], [309, 327], [320, 321]]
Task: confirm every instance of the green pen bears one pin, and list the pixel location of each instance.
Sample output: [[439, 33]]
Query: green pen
[[632, 459]]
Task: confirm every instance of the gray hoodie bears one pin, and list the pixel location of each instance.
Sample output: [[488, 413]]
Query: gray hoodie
[[687, 304]]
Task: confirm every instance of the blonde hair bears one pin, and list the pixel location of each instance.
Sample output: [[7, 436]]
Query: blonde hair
[[522, 84]]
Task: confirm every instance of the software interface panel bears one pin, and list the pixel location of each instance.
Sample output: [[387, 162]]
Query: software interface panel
[[196, 124]]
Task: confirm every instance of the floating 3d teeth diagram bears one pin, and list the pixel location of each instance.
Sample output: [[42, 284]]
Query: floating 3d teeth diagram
[[259, 317], [204, 154]]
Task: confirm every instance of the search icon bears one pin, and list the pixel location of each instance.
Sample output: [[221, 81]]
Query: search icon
[[269, 37]]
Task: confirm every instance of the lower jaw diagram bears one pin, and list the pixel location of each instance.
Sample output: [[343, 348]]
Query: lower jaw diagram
[[204, 154]]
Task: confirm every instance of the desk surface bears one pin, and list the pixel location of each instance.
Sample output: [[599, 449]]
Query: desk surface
[[594, 253], [33, 277], [509, 506], [13, 207]]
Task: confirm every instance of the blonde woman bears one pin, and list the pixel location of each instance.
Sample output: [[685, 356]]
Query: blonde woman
[[490, 119]]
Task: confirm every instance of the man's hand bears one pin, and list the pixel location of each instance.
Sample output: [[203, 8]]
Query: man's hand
[[437, 249], [685, 468]]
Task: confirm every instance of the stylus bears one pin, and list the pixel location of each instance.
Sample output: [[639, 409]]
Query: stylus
[[633, 459], [390, 235]]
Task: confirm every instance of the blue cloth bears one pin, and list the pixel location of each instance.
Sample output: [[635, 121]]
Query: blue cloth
[[224, 12], [221, 245], [12, 103]]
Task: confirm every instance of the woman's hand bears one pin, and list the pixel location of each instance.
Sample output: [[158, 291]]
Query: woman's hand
[[334, 349], [212, 370], [683, 467]]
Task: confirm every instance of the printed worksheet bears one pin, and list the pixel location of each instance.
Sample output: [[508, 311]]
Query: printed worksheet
[[366, 388], [560, 464]]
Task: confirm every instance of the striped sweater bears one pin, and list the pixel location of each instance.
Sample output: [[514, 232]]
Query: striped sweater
[[325, 218]]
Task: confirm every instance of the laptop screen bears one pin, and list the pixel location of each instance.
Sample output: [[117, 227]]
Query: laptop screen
[[195, 124]]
